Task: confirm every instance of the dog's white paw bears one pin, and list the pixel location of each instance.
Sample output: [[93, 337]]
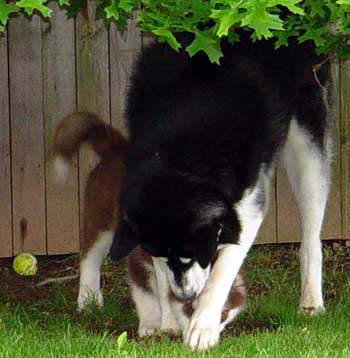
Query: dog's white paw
[[203, 332], [311, 302], [311, 310], [170, 326], [88, 297], [145, 330]]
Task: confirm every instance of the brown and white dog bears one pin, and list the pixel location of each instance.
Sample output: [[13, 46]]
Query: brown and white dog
[[101, 193], [158, 309]]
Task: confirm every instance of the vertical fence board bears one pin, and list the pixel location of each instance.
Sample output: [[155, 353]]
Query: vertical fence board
[[28, 177], [59, 100], [5, 152], [345, 143], [124, 48], [289, 226], [332, 228], [92, 82]]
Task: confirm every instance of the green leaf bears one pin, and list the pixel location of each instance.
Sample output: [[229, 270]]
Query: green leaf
[[315, 35], [63, 2], [207, 42], [232, 36], [112, 11], [282, 37], [127, 5], [167, 36], [343, 2], [262, 22], [226, 19], [30, 5], [5, 11], [290, 4], [121, 340]]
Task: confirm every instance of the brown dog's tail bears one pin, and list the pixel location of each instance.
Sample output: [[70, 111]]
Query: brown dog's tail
[[78, 128]]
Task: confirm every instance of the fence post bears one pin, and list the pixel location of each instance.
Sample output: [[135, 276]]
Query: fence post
[[345, 143], [5, 155]]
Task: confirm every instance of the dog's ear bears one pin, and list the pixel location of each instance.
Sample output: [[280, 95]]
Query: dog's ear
[[124, 241]]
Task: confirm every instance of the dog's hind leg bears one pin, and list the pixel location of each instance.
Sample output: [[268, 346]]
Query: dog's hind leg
[[90, 271], [306, 158]]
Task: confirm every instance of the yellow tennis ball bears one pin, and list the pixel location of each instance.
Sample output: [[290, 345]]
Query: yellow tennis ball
[[25, 264]]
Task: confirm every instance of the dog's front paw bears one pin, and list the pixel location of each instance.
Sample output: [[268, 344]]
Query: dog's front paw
[[312, 310], [203, 332], [145, 330], [311, 301]]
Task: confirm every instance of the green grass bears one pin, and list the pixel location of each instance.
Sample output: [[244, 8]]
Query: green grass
[[270, 327]]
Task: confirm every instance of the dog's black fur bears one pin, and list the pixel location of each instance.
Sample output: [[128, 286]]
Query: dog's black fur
[[199, 135]]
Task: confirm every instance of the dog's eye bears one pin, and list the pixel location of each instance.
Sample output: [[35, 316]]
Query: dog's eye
[[185, 260]]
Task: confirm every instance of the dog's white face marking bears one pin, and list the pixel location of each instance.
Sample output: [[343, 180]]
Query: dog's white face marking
[[192, 281]]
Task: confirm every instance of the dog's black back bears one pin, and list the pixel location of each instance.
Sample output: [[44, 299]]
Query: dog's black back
[[217, 122]]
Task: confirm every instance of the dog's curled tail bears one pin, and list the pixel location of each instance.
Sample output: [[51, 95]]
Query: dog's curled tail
[[79, 128]]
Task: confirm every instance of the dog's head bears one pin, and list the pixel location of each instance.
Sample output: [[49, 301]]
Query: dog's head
[[180, 222]]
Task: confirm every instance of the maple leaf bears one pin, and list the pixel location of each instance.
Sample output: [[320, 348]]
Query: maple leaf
[[262, 22], [31, 5], [168, 36], [127, 5], [226, 19], [112, 10], [63, 2], [291, 5], [206, 41], [5, 11]]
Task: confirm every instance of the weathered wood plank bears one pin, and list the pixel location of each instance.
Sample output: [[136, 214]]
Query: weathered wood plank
[[289, 226], [124, 48], [59, 95], [27, 144], [5, 155], [345, 143], [93, 92]]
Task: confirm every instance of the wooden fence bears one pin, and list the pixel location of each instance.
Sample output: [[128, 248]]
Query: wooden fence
[[48, 70]]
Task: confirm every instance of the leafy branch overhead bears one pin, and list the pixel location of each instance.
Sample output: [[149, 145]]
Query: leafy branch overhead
[[325, 22]]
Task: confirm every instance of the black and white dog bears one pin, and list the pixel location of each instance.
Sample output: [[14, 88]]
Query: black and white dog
[[204, 141]]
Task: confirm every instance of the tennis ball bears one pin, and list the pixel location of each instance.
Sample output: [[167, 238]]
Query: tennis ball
[[25, 264]]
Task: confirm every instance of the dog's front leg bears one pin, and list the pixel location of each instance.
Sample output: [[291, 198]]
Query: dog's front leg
[[204, 327], [168, 322]]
